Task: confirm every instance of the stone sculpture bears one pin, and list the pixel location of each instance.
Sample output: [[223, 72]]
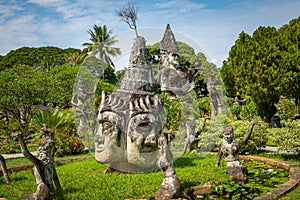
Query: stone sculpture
[[192, 140], [215, 103], [171, 80], [230, 151], [171, 186], [43, 170], [4, 169], [130, 120]]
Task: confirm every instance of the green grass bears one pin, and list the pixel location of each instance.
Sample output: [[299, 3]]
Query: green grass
[[85, 179]]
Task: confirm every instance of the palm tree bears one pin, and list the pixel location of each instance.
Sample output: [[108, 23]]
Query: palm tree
[[101, 44]]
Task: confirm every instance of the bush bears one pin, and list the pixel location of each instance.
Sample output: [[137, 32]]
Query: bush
[[286, 108], [68, 144], [258, 139], [249, 111], [287, 137]]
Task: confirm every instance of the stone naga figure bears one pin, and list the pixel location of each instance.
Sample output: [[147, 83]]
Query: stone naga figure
[[43, 169], [171, 81], [192, 140], [230, 151], [4, 169], [171, 186]]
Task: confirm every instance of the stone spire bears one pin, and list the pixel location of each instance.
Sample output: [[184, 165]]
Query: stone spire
[[168, 42], [138, 77]]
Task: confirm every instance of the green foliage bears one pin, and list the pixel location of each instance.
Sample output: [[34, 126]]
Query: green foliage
[[258, 139], [236, 110], [264, 66], [249, 111], [204, 105], [67, 141], [61, 85], [21, 88], [286, 108], [43, 58], [172, 108], [287, 137]]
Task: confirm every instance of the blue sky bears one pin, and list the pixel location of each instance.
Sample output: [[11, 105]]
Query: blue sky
[[211, 25]]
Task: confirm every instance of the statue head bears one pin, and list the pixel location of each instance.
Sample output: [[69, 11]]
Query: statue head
[[228, 134]]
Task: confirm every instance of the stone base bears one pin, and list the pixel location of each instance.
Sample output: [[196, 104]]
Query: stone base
[[170, 189]]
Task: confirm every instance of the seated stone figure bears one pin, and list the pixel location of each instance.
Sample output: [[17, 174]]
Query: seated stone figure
[[171, 80], [192, 140], [230, 151], [43, 169]]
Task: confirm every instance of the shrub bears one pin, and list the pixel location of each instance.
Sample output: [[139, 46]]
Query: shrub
[[249, 111], [286, 108], [258, 139], [287, 137], [68, 144]]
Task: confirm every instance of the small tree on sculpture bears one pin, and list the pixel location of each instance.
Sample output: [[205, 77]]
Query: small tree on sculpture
[[128, 14]]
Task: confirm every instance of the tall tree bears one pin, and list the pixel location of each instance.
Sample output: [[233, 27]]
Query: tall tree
[[101, 44], [263, 67]]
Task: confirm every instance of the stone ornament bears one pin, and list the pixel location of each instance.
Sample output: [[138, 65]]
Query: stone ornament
[[230, 151], [192, 140], [43, 170]]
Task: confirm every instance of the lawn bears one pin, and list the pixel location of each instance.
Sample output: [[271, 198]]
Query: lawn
[[85, 179]]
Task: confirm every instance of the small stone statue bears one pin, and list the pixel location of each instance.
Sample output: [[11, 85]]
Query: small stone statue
[[215, 103], [230, 151], [171, 186], [43, 169], [4, 169], [192, 140]]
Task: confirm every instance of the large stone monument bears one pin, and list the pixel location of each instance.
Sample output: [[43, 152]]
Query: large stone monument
[[230, 151], [131, 119]]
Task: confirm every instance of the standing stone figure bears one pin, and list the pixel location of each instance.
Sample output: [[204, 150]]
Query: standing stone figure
[[230, 151], [192, 140], [171, 80], [215, 103], [171, 186], [4, 169], [43, 169]]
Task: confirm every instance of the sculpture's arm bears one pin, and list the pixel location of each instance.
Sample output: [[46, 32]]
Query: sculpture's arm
[[219, 156], [202, 127], [4, 169], [73, 100], [25, 150], [247, 136]]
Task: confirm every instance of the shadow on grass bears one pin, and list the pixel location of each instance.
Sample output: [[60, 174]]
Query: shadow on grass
[[185, 161]]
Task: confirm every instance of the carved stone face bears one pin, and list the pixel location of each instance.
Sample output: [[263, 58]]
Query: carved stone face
[[142, 136], [108, 138]]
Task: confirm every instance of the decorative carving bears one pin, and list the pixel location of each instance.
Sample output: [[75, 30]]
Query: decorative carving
[[4, 169], [130, 120], [43, 170], [230, 151], [171, 186], [192, 140], [215, 102]]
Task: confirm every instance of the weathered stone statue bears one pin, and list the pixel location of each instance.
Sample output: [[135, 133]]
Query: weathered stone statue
[[4, 169], [79, 99], [215, 103], [171, 186], [192, 140], [230, 151], [130, 120], [43, 170], [171, 80]]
